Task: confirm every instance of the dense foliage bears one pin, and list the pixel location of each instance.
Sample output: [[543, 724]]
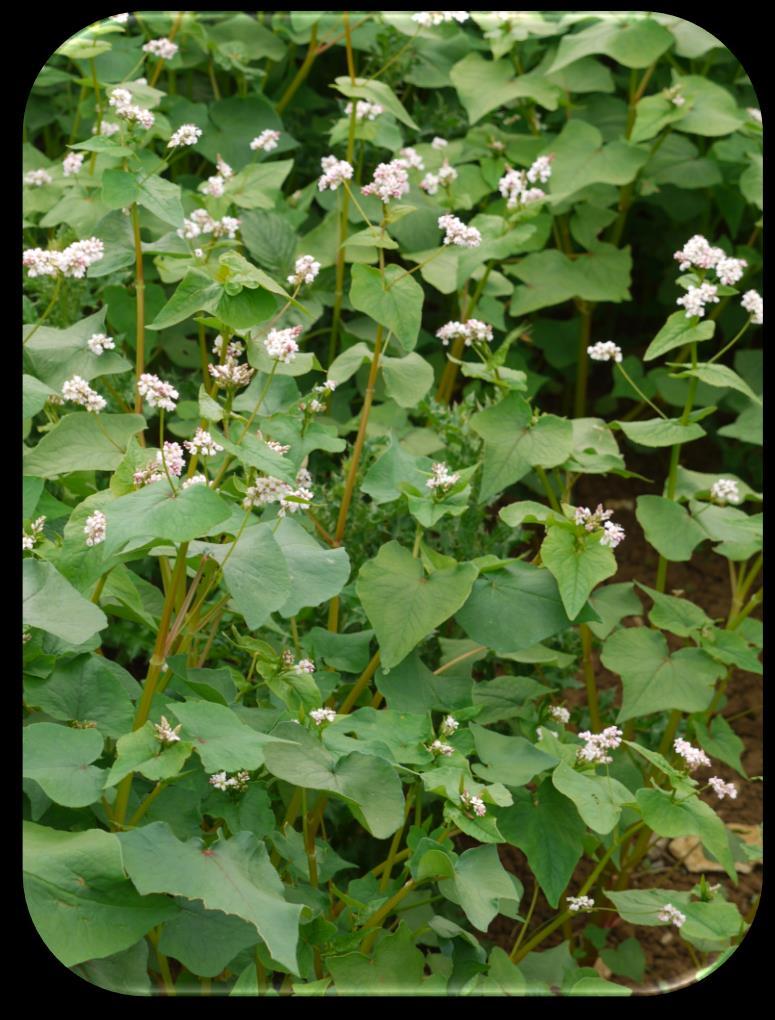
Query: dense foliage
[[328, 319]]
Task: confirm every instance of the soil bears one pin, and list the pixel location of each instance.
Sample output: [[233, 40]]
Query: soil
[[705, 581]]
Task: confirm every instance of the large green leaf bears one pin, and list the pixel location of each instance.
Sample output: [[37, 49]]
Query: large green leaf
[[484, 85], [581, 158], [141, 752], [407, 379], [712, 110], [653, 680], [402, 604], [397, 968], [688, 816], [514, 608], [676, 615], [83, 689], [668, 527], [220, 738], [577, 563], [59, 759], [512, 761], [546, 827], [81, 902], [706, 921], [396, 303], [55, 355], [232, 875], [205, 941], [635, 40], [53, 604], [479, 885], [657, 432], [599, 799], [677, 331], [83, 442], [367, 784], [550, 278], [376, 92], [316, 573], [196, 292]]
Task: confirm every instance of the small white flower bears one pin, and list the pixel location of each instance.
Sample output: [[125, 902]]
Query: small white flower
[[412, 158], [72, 163], [199, 253], [220, 781], [322, 715], [596, 745], [439, 143], [165, 734], [446, 174], [186, 134], [724, 491], [730, 270], [472, 332], [78, 391], [753, 303], [265, 490], [226, 225], [695, 299], [37, 178], [671, 915], [202, 444], [364, 110], [335, 172], [457, 233], [613, 534], [162, 48], [213, 186], [755, 114], [305, 666], [223, 167], [449, 725], [121, 101], [722, 789], [266, 141], [390, 180], [73, 261], [579, 903], [592, 521], [475, 804], [107, 128], [430, 184], [194, 480], [294, 500], [305, 271], [231, 373], [95, 528], [441, 479], [605, 350], [439, 747], [30, 538], [281, 344], [698, 252], [98, 343], [173, 457], [157, 392], [560, 714], [693, 756]]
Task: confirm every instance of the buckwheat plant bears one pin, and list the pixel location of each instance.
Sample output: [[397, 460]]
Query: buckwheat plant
[[391, 421]]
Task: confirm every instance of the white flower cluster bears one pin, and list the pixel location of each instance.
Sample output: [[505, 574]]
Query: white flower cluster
[[693, 756], [322, 715], [722, 789], [317, 405], [695, 299], [203, 444], [266, 141], [431, 19], [37, 178], [231, 374], [473, 803], [238, 782], [474, 331], [95, 528], [755, 114], [514, 183], [439, 747], [390, 180], [673, 95], [439, 143], [80, 392], [213, 186], [234, 350], [612, 535], [304, 666], [579, 903], [724, 491], [281, 345], [594, 750], [272, 490], [98, 343], [165, 734], [560, 714], [107, 128], [443, 177], [753, 303], [671, 915], [164, 49], [449, 725], [605, 350], [272, 444], [174, 458], [29, 538], [305, 271], [364, 110], [201, 222], [121, 101], [456, 232], [441, 479], [157, 392], [194, 480], [335, 172], [72, 163], [223, 167], [186, 134], [73, 261], [410, 159]]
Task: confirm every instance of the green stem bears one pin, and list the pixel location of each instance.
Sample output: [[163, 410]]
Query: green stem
[[302, 73], [582, 361], [551, 495], [139, 306], [589, 678], [731, 343], [639, 391], [394, 845], [360, 685]]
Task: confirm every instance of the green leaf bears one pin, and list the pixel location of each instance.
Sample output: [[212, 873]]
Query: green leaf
[[612, 603], [141, 752], [720, 377], [635, 41], [550, 278], [154, 513], [54, 355], [479, 885], [525, 511], [394, 468], [79, 899], [83, 689], [397, 304], [512, 761], [581, 158], [514, 442], [205, 941], [653, 680], [125, 972], [547, 828], [676, 615], [367, 784], [712, 111], [196, 292], [483, 85], [234, 876], [668, 527], [348, 653], [407, 379], [270, 239], [752, 181], [82, 442], [514, 608], [120, 189], [376, 92], [661, 431], [34, 396], [59, 759], [53, 604], [258, 186], [316, 573], [677, 331], [396, 968], [720, 741], [220, 738], [162, 198], [402, 604], [687, 817], [577, 563], [627, 960], [599, 799]]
